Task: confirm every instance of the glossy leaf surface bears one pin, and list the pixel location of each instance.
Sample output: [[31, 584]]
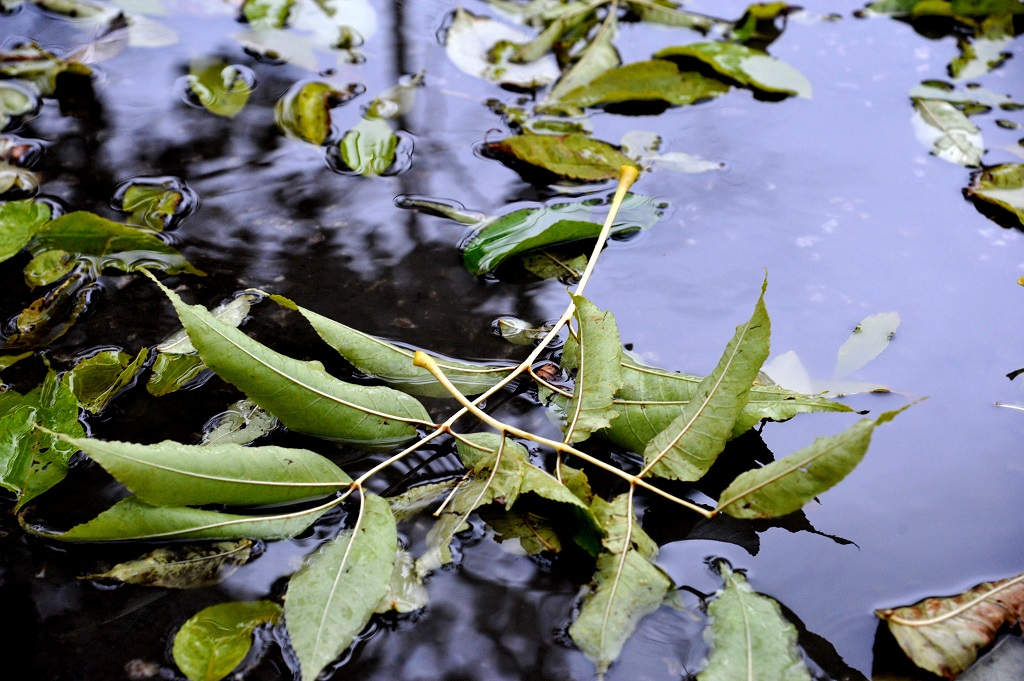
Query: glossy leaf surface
[[216, 639], [595, 353], [745, 65], [572, 157], [1001, 186], [657, 80]]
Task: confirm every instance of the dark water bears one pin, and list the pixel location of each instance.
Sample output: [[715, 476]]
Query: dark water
[[833, 196]]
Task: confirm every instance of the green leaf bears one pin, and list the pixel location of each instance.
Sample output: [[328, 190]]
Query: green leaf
[[332, 597], [49, 317], [971, 97], [113, 244], [16, 178], [98, 379], [19, 221], [49, 267], [306, 398], [222, 88], [529, 229], [183, 566], [405, 592], [134, 520], [1001, 186], [572, 157], [243, 423], [785, 485], [173, 474], [216, 639], [745, 65], [267, 14], [31, 460], [32, 64], [15, 101], [668, 14], [471, 41], [369, 148], [393, 364], [687, 447], [760, 25], [151, 206], [626, 586], [597, 57], [658, 80], [949, 134], [304, 112], [7, 361], [750, 639], [595, 352]]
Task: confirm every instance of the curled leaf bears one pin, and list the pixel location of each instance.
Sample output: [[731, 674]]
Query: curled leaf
[[216, 639], [484, 48]]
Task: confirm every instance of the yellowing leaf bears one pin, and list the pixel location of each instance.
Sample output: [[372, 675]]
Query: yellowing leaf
[[182, 566]]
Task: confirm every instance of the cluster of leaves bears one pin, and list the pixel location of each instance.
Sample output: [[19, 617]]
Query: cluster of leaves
[[223, 494], [942, 110]]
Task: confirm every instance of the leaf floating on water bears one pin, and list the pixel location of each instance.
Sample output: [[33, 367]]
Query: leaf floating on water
[[32, 64], [267, 14], [750, 639], [186, 566], [98, 379], [369, 148], [573, 157], [598, 56], [745, 65], [19, 221], [483, 47], [530, 229], [15, 101], [332, 597], [222, 88], [154, 204], [949, 134], [304, 112], [657, 80], [216, 639], [15, 179], [405, 592], [1001, 186], [944, 635]]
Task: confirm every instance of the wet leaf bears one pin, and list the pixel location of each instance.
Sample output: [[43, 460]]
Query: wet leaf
[[785, 485], [370, 147], [474, 44], [534, 533], [944, 635], [112, 244], [393, 363], [867, 341], [1001, 186], [49, 267], [760, 25], [286, 46], [551, 264], [405, 592], [657, 80], [98, 379], [7, 361], [30, 63], [150, 206], [185, 566], [242, 424], [134, 520], [745, 65], [949, 134], [643, 147], [15, 101], [31, 460], [17, 179], [669, 14], [944, 8], [981, 55], [267, 14], [974, 96], [595, 352], [689, 445], [529, 229], [306, 398], [625, 588], [572, 157], [216, 639], [172, 474], [598, 56], [335, 24], [304, 112], [19, 221], [332, 597], [750, 639], [222, 88]]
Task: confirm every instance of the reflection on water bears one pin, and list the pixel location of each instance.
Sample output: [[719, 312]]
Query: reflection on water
[[834, 196]]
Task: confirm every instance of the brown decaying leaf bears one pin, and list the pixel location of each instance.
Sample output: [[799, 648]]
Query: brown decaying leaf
[[944, 635]]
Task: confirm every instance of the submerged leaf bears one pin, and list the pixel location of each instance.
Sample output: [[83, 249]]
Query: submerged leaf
[[332, 597], [15, 101], [222, 88], [243, 423], [689, 445], [216, 639], [626, 586], [595, 352], [474, 45], [31, 63], [944, 635], [173, 474], [306, 398], [867, 341], [529, 229], [745, 65], [785, 485], [393, 363], [151, 206], [947, 132], [750, 639], [405, 592], [572, 157], [184, 566], [98, 379], [1001, 186]]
